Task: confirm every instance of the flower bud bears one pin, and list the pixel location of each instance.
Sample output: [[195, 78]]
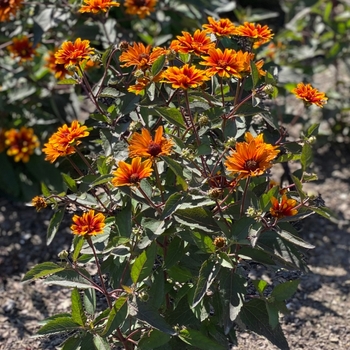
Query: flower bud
[[203, 120]]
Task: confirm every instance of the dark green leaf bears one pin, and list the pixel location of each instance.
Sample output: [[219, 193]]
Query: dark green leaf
[[158, 65], [106, 55], [72, 343], [78, 315], [299, 187], [89, 299], [199, 340], [111, 92], [312, 130], [306, 156], [101, 343], [69, 81], [285, 290], [255, 74], [197, 218], [260, 285], [69, 278], [54, 224], [153, 339], [203, 242], [294, 239], [178, 171], [123, 220], [272, 311], [69, 182], [174, 252], [58, 325], [116, 316], [172, 115], [42, 270], [254, 315], [172, 204], [142, 266]]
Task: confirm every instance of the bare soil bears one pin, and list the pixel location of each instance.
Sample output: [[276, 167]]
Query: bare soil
[[319, 312]]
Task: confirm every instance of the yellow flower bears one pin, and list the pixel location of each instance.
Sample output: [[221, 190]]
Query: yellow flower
[[142, 8], [257, 33], [184, 77], [142, 145], [310, 95], [198, 44], [23, 48], [21, 143], [39, 203], [251, 158], [96, 6], [88, 224], [222, 27], [284, 207], [9, 8], [132, 174], [71, 54], [62, 142], [140, 56]]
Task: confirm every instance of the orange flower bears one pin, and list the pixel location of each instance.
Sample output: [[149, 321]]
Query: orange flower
[[142, 8], [39, 203], [284, 207], [227, 63], [132, 174], [58, 69], [222, 27], [185, 77], [140, 56], [21, 143], [9, 8], [71, 53], [23, 48], [142, 145], [96, 6], [198, 44], [310, 95], [251, 158], [62, 142], [258, 34], [140, 85], [88, 224]]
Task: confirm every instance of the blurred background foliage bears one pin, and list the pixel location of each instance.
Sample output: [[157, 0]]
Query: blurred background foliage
[[310, 45]]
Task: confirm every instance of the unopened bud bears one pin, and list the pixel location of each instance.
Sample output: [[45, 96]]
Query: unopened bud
[[220, 242], [63, 255], [215, 193], [203, 120]]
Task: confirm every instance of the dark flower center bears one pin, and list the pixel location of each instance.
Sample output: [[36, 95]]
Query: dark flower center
[[134, 178], [251, 165], [154, 149], [140, 3], [4, 3]]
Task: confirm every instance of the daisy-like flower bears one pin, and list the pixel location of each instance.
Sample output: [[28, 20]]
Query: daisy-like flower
[[198, 44], [71, 54], [96, 6], [57, 69], [310, 95], [142, 145], [283, 207], [141, 8], [257, 33], [140, 86], [89, 224], [132, 174], [23, 48], [225, 63], [9, 8], [39, 203], [21, 143], [141, 56], [62, 142], [184, 77], [222, 27], [251, 158]]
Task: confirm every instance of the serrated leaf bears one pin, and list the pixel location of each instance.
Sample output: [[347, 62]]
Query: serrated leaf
[[174, 252], [255, 316], [197, 218], [116, 316], [178, 171], [199, 340], [172, 204], [207, 274], [110, 92], [42, 270], [172, 115], [78, 314], [306, 156], [72, 343], [54, 224], [58, 325], [123, 220], [142, 266], [68, 81], [204, 242], [100, 343], [294, 239], [89, 300], [153, 340], [69, 278], [285, 290], [146, 313]]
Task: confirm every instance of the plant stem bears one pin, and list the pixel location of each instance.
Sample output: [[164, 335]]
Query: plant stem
[[244, 196]]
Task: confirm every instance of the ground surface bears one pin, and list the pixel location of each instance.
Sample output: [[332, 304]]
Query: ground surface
[[320, 310]]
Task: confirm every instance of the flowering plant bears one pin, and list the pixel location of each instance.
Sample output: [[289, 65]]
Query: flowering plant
[[171, 183]]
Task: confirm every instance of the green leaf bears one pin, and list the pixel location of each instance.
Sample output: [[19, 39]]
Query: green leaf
[[199, 340], [78, 315], [172, 115], [294, 239], [58, 325], [197, 218], [106, 55], [255, 316], [87, 342], [255, 74], [240, 229], [45, 190], [116, 316], [89, 299], [312, 130], [153, 340], [72, 185], [123, 220], [101, 343], [260, 286], [72, 343], [42, 270], [272, 311], [207, 274], [204, 242], [69, 278], [174, 252], [299, 187], [285, 290], [101, 180], [172, 204], [324, 211], [178, 171], [146, 313], [68, 81], [78, 243], [158, 65], [142, 266], [54, 224], [111, 92], [306, 156]]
